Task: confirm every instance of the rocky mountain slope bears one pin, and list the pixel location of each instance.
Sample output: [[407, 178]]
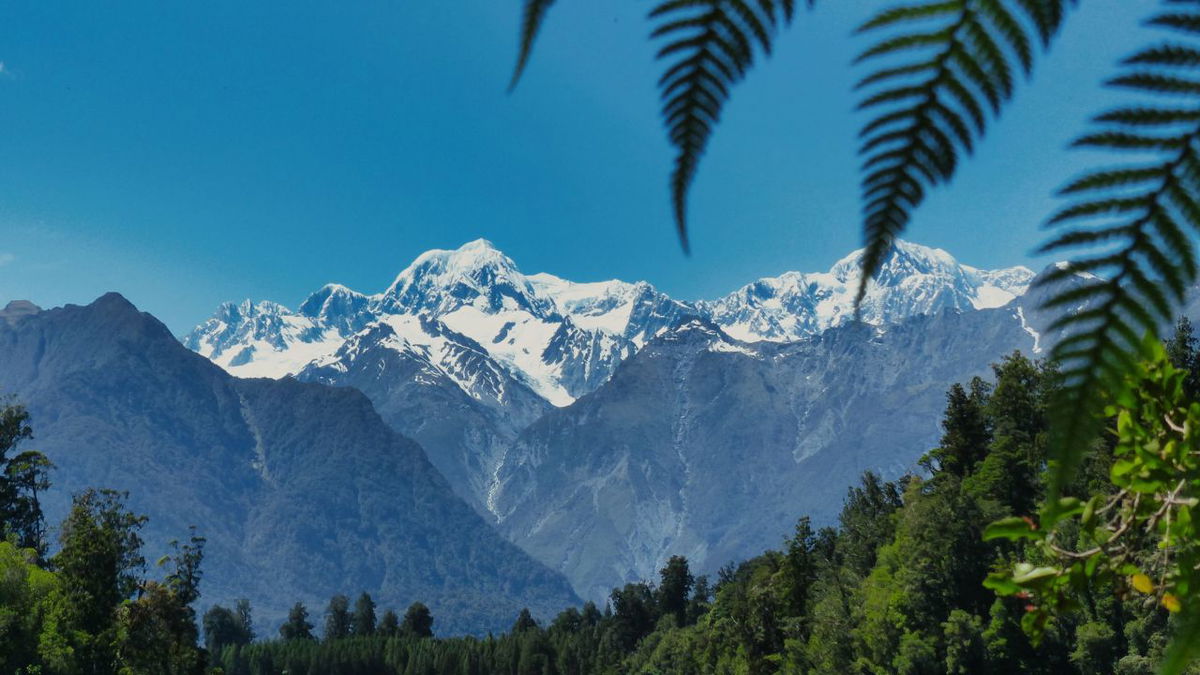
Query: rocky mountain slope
[[301, 489], [463, 351], [709, 447]]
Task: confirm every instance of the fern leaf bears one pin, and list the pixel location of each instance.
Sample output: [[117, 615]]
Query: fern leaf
[[531, 24], [709, 46], [947, 63], [1142, 248]]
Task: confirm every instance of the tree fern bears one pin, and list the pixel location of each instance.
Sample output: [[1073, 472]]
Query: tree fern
[[709, 46], [531, 24], [948, 66], [1135, 223]]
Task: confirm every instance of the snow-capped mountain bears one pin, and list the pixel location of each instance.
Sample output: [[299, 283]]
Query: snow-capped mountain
[[913, 280], [463, 352], [558, 348], [563, 339]]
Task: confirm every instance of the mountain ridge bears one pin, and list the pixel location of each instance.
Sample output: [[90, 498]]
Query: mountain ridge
[[301, 489], [563, 338]]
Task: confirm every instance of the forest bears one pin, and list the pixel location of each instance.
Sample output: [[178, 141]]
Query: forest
[[956, 567]]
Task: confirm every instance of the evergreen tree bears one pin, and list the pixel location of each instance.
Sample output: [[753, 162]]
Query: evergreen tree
[[363, 621], [297, 626], [337, 618], [675, 585], [866, 523], [418, 622], [965, 435], [389, 624], [698, 604], [99, 567], [634, 614], [524, 622]]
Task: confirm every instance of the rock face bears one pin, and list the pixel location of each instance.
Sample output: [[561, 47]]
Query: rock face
[[709, 447], [301, 489], [463, 351]]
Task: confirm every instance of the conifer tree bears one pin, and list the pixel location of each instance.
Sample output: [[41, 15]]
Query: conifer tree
[[524, 622], [675, 585], [965, 434], [389, 624], [363, 621], [297, 626], [337, 618]]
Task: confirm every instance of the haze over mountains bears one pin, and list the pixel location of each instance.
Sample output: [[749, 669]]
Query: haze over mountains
[[605, 426]]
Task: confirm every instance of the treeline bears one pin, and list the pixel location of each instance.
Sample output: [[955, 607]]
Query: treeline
[[895, 587]]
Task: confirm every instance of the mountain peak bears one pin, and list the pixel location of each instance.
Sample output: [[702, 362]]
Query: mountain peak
[[476, 274]]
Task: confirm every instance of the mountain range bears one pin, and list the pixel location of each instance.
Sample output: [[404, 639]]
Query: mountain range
[[605, 426], [301, 490]]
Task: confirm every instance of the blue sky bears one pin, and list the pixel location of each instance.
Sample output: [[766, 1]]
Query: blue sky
[[189, 153]]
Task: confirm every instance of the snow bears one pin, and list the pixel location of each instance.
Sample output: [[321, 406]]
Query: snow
[[517, 339], [478, 292], [270, 361], [988, 297]]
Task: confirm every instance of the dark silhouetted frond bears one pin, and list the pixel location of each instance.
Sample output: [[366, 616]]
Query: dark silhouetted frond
[[943, 65], [531, 23], [709, 46], [1136, 224]]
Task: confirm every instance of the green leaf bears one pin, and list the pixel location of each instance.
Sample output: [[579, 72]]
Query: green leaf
[[1013, 528]]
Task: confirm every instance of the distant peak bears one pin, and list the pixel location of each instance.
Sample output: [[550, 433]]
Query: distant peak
[[17, 310], [478, 244], [21, 307], [112, 299]]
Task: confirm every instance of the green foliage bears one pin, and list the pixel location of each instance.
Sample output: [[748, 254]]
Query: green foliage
[[675, 586], [418, 621], [297, 626], [1141, 537], [363, 621], [100, 566], [224, 627], [1135, 223], [944, 65], [23, 477], [337, 618], [26, 591]]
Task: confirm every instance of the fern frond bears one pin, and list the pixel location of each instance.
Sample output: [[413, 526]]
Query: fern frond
[[948, 63], [1140, 240], [531, 23], [710, 44]]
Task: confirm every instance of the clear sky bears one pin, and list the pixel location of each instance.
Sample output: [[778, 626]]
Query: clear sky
[[186, 153]]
